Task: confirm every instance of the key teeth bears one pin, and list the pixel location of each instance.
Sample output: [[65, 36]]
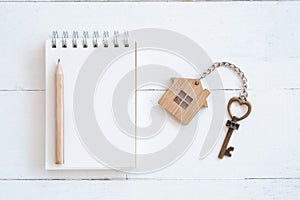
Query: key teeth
[[228, 151]]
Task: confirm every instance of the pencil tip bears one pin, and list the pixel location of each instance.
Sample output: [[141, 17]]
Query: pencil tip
[[58, 67]]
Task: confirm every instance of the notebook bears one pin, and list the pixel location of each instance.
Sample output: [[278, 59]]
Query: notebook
[[112, 117], [93, 65]]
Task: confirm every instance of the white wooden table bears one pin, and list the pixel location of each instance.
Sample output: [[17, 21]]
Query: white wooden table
[[262, 37]]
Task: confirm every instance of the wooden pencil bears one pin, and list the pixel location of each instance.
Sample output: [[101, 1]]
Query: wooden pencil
[[59, 108]]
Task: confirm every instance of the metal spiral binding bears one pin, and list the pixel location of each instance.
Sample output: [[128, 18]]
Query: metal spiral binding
[[125, 38], [54, 37], [95, 39], [105, 38], [85, 38], [75, 38], [116, 38], [64, 39], [114, 41]]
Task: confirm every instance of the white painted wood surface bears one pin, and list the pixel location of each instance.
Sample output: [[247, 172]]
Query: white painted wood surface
[[152, 189], [260, 37]]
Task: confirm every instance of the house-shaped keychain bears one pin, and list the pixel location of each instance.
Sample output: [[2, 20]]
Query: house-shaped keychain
[[184, 99]]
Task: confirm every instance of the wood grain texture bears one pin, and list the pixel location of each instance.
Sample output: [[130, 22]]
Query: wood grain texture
[[259, 136], [260, 37], [114, 0], [238, 22], [152, 189], [184, 99], [25, 142]]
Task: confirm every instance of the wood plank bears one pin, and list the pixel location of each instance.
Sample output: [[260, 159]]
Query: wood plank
[[260, 37], [152, 189], [56, 1], [274, 155], [112, 0], [265, 144]]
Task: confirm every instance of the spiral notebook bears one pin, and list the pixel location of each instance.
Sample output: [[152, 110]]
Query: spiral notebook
[[88, 98]]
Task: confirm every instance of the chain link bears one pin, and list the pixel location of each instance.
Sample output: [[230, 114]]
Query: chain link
[[213, 67]]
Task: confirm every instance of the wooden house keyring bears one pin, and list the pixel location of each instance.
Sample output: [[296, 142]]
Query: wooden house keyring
[[184, 99]]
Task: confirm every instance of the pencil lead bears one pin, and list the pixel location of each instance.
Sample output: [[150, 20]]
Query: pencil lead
[[58, 61]]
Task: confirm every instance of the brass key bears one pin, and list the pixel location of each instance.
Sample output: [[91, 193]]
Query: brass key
[[233, 125]]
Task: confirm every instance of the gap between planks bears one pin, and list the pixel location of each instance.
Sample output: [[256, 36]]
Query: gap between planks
[[146, 179], [122, 1], [146, 90]]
